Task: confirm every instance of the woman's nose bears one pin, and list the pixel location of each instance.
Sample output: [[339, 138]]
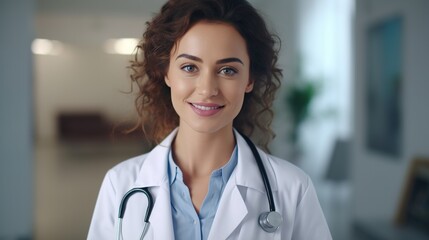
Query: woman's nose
[[207, 85]]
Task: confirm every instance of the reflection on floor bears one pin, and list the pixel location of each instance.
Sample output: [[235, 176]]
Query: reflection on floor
[[68, 177]]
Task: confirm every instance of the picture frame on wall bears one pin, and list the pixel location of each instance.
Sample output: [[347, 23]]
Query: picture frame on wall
[[414, 203], [384, 86]]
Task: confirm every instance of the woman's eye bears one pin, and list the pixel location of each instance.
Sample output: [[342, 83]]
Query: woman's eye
[[189, 68], [228, 71]]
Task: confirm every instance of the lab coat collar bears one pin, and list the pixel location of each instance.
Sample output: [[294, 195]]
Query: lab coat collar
[[247, 172], [154, 169]]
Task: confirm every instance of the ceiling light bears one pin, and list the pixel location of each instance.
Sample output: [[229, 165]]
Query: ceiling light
[[46, 47], [124, 46]]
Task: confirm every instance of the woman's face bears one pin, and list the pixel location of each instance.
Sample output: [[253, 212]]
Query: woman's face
[[208, 75]]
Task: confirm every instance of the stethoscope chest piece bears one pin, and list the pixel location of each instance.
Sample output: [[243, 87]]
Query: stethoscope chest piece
[[270, 221]]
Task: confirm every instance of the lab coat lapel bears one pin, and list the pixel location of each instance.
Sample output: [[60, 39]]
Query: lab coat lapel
[[161, 218], [248, 174], [232, 207], [230, 213], [153, 174]]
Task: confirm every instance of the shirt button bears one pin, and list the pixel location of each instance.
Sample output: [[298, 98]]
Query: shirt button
[[195, 222]]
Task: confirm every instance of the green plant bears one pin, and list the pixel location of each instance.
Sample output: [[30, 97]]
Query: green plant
[[299, 96]]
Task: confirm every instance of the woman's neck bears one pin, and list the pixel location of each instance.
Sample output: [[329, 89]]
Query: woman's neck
[[198, 154]]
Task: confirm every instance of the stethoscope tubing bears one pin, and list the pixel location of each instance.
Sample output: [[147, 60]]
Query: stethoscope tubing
[[131, 192], [123, 206], [263, 173]]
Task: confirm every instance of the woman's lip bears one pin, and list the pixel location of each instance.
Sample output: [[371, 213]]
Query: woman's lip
[[206, 104], [206, 109]]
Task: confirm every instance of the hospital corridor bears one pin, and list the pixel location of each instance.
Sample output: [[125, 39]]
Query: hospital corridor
[[351, 111]]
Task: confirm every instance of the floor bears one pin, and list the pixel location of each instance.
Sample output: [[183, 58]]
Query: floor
[[335, 201], [68, 177]]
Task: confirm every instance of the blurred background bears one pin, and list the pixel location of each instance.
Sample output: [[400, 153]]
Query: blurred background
[[352, 111]]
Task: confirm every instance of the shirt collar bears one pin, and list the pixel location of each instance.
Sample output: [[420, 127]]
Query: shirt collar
[[173, 169], [229, 167]]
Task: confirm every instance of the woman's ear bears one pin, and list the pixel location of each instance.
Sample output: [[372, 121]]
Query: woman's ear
[[249, 86], [167, 81]]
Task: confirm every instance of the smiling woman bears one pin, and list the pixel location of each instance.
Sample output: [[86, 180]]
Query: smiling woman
[[157, 116], [207, 73], [208, 76]]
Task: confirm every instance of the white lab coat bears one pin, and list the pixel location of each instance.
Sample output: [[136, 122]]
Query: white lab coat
[[242, 201]]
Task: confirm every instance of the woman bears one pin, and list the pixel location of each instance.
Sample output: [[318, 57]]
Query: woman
[[208, 71]]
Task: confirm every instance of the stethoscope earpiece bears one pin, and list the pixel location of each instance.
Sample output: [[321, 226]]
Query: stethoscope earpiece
[[270, 221]]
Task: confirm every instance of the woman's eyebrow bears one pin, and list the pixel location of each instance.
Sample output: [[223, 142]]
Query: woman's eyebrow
[[228, 60], [184, 55], [220, 61]]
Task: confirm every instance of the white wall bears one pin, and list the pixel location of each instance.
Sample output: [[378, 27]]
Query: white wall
[[16, 119], [281, 17], [378, 179], [83, 77], [315, 34], [324, 34]]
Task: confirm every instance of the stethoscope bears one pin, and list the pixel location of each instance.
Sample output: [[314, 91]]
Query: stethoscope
[[268, 221]]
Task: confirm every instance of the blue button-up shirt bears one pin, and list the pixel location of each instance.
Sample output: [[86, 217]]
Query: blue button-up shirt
[[188, 224]]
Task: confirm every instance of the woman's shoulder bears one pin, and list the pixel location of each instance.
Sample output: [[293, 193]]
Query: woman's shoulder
[[128, 169], [287, 174]]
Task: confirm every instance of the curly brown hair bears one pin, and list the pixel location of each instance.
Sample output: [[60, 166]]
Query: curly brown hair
[[157, 116]]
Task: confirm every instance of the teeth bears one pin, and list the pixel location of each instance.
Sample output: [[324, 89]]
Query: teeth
[[204, 108]]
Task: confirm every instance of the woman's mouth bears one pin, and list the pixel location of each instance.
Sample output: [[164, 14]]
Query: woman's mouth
[[206, 109]]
